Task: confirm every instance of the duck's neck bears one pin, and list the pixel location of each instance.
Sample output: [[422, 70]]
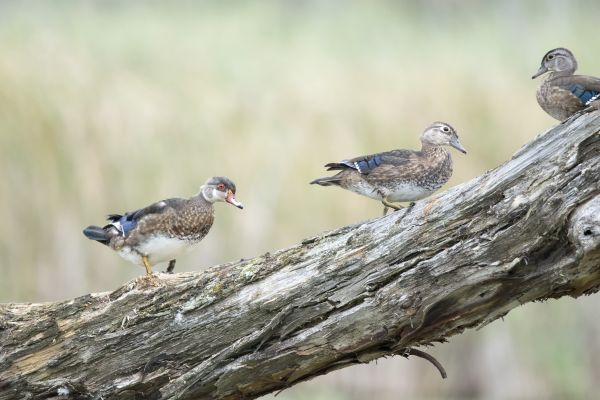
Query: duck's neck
[[205, 195], [438, 160], [560, 74], [429, 150]]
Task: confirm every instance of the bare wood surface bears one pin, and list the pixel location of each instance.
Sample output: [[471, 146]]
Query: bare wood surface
[[526, 231]]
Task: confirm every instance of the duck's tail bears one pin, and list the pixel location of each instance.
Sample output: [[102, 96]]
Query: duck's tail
[[98, 234], [327, 181]]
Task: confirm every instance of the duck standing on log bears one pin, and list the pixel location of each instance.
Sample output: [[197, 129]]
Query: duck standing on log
[[399, 175], [165, 229]]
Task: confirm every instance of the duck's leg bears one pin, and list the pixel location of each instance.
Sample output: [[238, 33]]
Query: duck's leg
[[171, 267], [395, 206], [151, 278], [391, 205], [147, 265]]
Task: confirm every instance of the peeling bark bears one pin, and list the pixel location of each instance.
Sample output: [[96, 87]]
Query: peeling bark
[[526, 231]]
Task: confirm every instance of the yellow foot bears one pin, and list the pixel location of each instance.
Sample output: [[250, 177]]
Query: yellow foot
[[388, 204], [150, 277], [149, 280], [147, 265]]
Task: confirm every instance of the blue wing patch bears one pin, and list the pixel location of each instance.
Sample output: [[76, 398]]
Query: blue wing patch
[[586, 96], [365, 165], [127, 225], [124, 223]]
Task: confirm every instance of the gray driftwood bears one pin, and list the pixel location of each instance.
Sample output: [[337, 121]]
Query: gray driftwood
[[526, 231]]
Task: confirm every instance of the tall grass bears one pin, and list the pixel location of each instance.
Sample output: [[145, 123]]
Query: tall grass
[[108, 106]]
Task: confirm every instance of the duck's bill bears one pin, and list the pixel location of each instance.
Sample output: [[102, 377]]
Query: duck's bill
[[456, 144], [541, 71], [233, 201]]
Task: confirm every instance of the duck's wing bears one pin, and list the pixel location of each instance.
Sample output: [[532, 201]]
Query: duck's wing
[[127, 222], [389, 172], [585, 88], [368, 164]]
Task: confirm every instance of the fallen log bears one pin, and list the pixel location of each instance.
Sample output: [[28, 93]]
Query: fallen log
[[526, 231]]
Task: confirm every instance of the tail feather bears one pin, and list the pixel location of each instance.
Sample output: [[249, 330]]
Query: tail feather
[[97, 233], [338, 166], [114, 217], [327, 181]]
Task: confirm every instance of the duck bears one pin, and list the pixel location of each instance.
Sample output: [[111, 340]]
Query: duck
[[398, 176], [562, 93], [165, 229]]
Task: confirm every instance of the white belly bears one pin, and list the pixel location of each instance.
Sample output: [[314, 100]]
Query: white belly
[[398, 193], [408, 192], [158, 249]]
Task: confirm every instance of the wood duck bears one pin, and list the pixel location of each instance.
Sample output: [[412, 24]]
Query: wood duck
[[165, 229], [399, 175], [562, 94]]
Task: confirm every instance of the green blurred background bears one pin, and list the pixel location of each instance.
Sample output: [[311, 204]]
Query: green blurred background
[[107, 106]]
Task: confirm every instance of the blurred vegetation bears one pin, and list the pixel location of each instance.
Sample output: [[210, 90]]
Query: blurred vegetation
[[107, 106]]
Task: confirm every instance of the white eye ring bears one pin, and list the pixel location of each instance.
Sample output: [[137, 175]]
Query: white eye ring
[[445, 129]]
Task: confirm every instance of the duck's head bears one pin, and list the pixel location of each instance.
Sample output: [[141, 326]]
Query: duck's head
[[441, 134], [220, 188], [557, 60]]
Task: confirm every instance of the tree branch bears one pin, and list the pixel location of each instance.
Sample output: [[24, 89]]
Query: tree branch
[[526, 231]]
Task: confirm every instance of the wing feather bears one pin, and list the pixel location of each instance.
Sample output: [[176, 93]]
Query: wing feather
[[585, 88], [370, 163], [127, 222]]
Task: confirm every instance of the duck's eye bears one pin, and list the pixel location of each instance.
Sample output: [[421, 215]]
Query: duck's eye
[[445, 129], [550, 56], [221, 187]]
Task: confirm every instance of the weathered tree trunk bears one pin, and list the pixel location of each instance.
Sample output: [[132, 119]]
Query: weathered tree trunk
[[526, 231]]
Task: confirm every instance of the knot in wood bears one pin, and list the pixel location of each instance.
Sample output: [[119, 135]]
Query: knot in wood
[[584, 228]]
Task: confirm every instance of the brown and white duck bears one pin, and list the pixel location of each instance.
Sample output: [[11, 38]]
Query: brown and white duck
[[399, 175], [562, 93], [166, 229]]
